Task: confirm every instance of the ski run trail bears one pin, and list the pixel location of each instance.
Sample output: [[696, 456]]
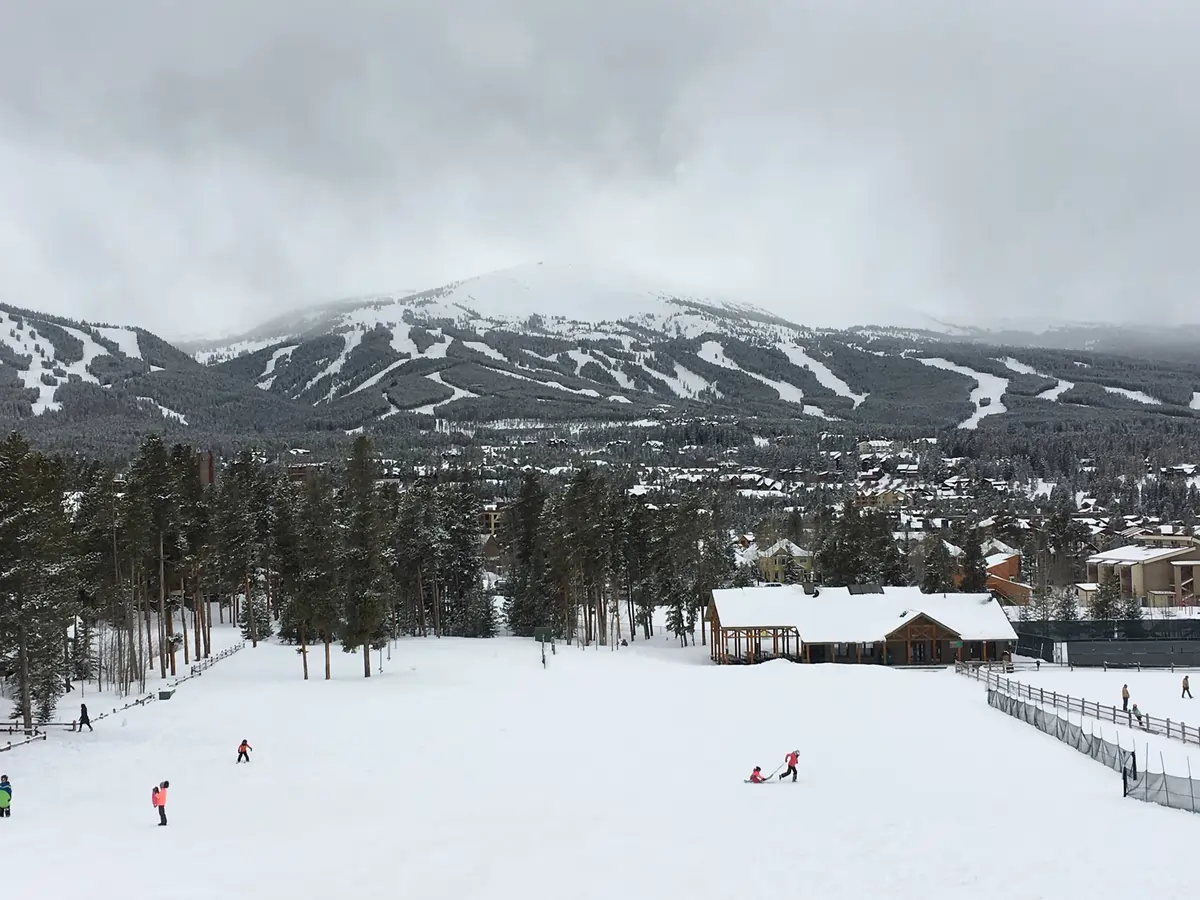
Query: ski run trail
[[467, 770]]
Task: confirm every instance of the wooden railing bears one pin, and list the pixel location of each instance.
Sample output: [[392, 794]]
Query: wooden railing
[[1189, 734], [39, 732]]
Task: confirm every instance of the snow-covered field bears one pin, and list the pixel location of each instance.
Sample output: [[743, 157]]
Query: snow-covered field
[[1156, 693], [104, 702], [466, 770]]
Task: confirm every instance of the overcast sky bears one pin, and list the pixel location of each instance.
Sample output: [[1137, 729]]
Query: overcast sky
[[198, 167]]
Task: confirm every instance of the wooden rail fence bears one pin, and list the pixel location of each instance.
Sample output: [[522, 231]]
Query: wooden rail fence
[[1189, 734], [39, 733]]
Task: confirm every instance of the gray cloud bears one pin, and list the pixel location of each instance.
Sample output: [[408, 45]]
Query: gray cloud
[[1001, 158]]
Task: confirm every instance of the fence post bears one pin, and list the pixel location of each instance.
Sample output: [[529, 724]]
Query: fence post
[[1191, 788], [1166, 789], [1168, 727]]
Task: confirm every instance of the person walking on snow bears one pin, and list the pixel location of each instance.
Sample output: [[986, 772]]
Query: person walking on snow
[[83, 718], [1125, 698], [5, 798], [1187, 691], [791, 759], [756, 777], [158, 797], [244, 749]]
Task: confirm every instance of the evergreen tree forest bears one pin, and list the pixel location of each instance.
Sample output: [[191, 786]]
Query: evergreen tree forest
[[109, 577], [594, 561]]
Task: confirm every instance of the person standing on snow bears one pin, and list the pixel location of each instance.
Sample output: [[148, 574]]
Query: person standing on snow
[[1187, 691], [83, 718], [1125, 698], [791, 759], [5, 798], [244, 749], [756, 777], [158, 796]]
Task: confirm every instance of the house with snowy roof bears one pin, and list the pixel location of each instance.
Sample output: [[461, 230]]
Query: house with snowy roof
[[774, 561], [1159, 568], [877, 625]]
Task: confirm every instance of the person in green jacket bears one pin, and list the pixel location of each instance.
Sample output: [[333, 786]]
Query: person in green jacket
[[5, 798]]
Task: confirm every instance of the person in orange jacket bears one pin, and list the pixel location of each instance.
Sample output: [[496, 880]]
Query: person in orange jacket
[[244, 749], [158, 797], [791, 759], [756, 777]]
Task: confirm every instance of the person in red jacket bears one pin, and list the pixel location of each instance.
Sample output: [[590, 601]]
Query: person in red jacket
[[158, 797], [756, 777], [244, 749], [791, 759]]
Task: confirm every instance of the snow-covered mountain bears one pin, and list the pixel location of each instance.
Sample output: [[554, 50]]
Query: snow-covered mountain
[[558, 341]]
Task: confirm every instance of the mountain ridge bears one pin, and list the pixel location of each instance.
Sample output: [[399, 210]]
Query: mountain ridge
[[552, 342]]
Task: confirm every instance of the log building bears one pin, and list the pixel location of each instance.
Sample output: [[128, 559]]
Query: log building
[[879, 625]]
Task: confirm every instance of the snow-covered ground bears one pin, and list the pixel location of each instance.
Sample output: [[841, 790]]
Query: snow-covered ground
[[466, 770], [987, 387], [1156, 693], [106, 701]]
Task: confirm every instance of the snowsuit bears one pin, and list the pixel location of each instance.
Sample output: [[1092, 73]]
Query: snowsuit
[[756, 777], [83, 718], [791, 760], [1125, 698], [243, 751], [1187, 691], [159, 798], [5, 799]]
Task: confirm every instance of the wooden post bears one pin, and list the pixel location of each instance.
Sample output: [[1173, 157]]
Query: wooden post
[[858, 647]]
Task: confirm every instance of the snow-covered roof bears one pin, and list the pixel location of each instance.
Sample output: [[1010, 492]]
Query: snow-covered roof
[[997, 558], [786, 546], [1132, 554], [835, 616]]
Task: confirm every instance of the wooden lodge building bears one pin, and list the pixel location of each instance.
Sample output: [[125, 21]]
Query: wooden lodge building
[[877, 625]]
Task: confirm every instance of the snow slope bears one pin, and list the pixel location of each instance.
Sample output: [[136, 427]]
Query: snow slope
[[466, 770], [713, 352], [1050, 393], [990, 387], [1137, 396], [821, 372]]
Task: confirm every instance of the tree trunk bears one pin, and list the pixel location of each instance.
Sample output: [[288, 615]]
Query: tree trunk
[[26, 694], [327, 675], [421, 601], [366, 647], [208, 624], [303, 651], [162, 612], [437, 609], [248, 610], [183, 624], [197, 613], [267, 582]]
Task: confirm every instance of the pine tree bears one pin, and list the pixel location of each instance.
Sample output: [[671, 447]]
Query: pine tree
[[256, 620], [937, 576], [151, 486], [1063, 606], [974, 566], [317, 609], [362, 561], [1129, 609], [1106, 601]]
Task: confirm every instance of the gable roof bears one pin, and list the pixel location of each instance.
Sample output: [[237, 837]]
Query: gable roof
[[835, 616], [786, 546]]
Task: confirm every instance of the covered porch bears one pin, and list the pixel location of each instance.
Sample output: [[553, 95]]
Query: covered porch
[[749, 644]]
